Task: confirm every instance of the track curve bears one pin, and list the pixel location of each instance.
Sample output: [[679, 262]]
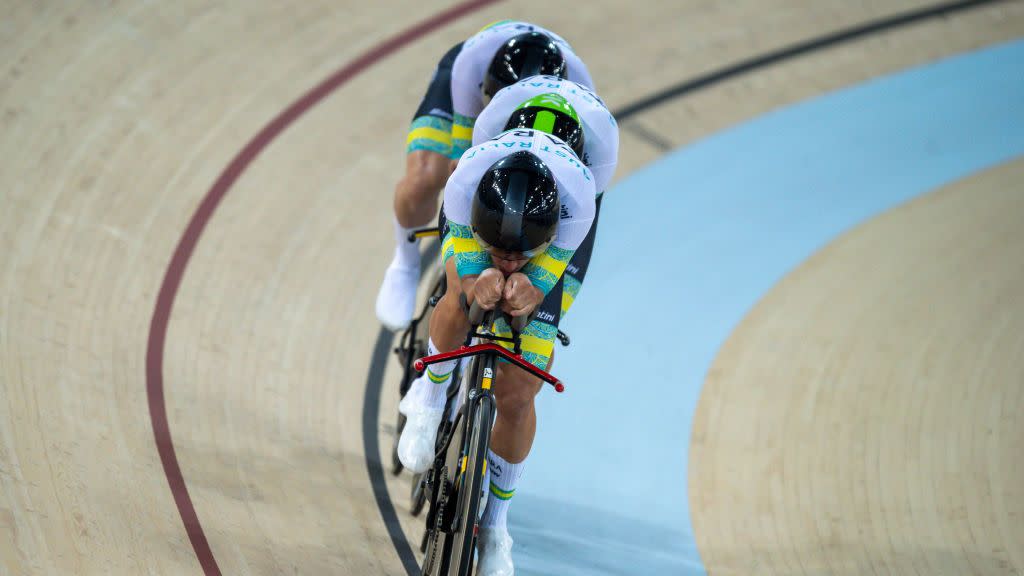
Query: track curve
[[118, 119]]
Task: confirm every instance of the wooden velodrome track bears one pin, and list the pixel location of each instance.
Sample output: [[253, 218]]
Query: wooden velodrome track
[[253, 340]]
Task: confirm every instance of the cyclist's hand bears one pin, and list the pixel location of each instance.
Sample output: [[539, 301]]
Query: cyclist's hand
[[520, 295], [488, 288]]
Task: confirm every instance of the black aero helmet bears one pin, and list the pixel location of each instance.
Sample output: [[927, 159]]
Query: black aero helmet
[[516, 206], [528, 54], [553, 114]]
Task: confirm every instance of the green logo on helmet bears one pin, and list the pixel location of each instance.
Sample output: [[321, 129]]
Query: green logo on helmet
[[551, 101]]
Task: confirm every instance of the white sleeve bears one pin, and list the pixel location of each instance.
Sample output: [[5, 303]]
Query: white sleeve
[[458, 192], [466, 78], [602, 146], [487, 125], [457, 199], [494, 117], [469, 69], [579, 207], [578, 70]]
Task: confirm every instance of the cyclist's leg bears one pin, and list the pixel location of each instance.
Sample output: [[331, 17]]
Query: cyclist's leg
[[515, 389], [448, 326], [424, 402], [428, 146], [513, 434]]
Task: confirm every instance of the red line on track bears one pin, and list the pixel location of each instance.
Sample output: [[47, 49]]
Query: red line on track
[[186, 246]]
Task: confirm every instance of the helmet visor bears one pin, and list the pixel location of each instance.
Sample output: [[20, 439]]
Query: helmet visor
[[496, 249]]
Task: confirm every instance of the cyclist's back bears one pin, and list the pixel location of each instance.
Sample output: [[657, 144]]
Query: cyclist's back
[[601, 152]]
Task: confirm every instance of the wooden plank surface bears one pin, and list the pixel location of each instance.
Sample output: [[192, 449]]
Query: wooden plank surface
[[117, 119]]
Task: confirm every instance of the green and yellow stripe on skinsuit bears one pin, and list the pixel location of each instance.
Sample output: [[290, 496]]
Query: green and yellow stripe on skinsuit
[[462, 135], [501, 494], [570, 288], [536, 341], [544, 270], [470, 257], [430, 133]]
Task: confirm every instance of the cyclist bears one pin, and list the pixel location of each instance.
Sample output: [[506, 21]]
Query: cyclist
[[578, 116], [467, 76], [517, 209], [567, 109]]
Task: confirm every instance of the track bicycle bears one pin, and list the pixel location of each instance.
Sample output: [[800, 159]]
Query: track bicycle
[[455, 480], [468, 418]]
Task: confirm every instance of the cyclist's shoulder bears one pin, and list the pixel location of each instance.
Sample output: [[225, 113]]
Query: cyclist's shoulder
[[497, 32], [582, 97], [573, 176], [553, 152], [475, 161]]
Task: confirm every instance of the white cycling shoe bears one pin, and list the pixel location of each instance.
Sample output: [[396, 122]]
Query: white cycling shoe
[[416, 444], [494, 552], [397, 296]]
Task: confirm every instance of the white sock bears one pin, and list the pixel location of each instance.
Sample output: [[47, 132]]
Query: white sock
[[460, 396], [407, 254], [433, 385], [504, 479]]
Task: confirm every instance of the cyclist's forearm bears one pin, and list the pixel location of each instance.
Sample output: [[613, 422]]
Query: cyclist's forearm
[[468, 287], [470, 258], [448, 324]]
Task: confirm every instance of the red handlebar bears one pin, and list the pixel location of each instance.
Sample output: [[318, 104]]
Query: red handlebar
[[517, 359]]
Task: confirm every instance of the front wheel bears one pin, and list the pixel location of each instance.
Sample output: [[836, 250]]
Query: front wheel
[[469, 489]]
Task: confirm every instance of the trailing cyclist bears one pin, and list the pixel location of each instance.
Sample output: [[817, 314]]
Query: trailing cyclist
[[466, 78]]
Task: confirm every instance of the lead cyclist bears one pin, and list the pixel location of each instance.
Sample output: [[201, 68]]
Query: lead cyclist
[[578, 116], [517, 210]]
